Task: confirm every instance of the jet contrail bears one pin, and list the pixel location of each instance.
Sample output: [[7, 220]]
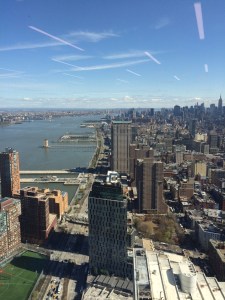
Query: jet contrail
[[206, 68], [153, 58], [176, 77], [132, 72], [198, 14], [73, 75], [55, 38], [65, 63], [122, 80]]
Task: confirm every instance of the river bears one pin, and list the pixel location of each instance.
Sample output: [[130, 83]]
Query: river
[[27, 138]]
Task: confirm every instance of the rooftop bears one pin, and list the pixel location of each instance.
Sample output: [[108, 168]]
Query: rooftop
[[171, 276], [104, 191], [220, 248], [109, 287]]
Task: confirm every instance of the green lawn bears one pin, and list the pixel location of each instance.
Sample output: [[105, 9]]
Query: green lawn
[[19, 276]]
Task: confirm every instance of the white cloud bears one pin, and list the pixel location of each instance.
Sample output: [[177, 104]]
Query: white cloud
[[9, 73], [79, 35], [122, 80], [111, 66], [91, 36], [163, 22], [129, 54], [79, 77], [71, 57], [27, 46]]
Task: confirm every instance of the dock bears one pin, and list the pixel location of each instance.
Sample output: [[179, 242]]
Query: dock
[[49, 172]]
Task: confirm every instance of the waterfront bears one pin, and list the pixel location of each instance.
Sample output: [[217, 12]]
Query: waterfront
[[27, 138]]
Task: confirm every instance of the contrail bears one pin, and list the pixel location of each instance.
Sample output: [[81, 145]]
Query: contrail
[[55, 38], [153, 58], [65, 63], [206, 68], [176, 77], [198, 14], [73, 75], [9, 70], [122, 80], [132, 72]]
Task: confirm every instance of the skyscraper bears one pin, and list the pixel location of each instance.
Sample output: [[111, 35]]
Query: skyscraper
[[107, 212], [192, 127], [220, 106], [149, 179], [10, 172], [121, 136], [137, 151]]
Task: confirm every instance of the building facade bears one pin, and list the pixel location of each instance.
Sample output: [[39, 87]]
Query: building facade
[[10, 237], [137, 151], [107, 212], [217, 258], [10, 172], [121, 136], [149, 179], [36, 219]]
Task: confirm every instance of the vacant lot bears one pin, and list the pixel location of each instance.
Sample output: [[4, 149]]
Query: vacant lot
[[19, 276]]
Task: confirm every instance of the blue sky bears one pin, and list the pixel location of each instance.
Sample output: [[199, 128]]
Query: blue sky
[[107, 54]]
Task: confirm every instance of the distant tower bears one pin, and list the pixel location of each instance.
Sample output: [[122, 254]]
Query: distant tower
[[121, 139], [220, 106], [10, 172], [177, 110], [46, 143], [192, 127]]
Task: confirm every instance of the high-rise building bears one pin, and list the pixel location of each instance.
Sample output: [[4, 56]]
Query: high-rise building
[[121, 136], [137, 151], [149, 179], [107, 212], [192, 127], [177, 110], [10, 172], [10, 237], [220, 106], [213, 141], [36, 221]]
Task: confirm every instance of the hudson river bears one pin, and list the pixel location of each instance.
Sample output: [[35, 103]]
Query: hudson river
[[27, 138]]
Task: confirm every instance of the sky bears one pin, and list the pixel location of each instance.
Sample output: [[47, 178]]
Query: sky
[[111, 54]]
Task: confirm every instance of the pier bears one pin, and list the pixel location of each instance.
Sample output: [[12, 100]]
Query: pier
[[65, 181], [49, 172]]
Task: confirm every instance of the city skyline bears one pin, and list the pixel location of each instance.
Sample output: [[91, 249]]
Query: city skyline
[[83, 54]]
